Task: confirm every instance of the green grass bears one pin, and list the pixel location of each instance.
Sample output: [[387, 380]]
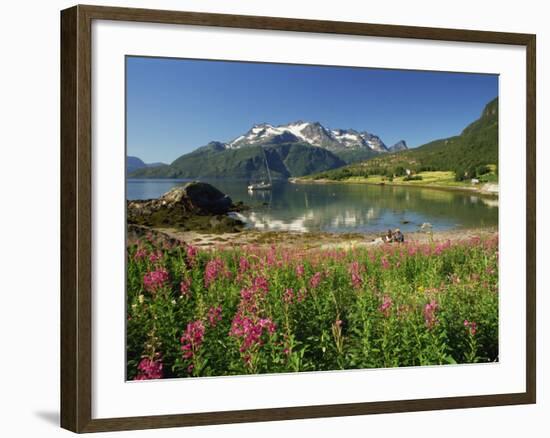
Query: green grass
[[439, 178]]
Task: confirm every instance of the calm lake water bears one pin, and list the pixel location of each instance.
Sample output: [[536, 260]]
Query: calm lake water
[[343, 207]]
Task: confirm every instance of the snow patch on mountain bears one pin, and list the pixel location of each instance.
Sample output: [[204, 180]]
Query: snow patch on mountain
[[312, 133]]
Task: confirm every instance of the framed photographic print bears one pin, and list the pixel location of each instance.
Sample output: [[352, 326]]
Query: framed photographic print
[[268, 218]]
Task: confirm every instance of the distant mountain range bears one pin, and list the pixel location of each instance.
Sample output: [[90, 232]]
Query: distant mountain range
[[135, 163], [296, 149]]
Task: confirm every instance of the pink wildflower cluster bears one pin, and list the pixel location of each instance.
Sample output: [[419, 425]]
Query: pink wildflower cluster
[[154, 280], [215, 268], [250, 329], [300, 270], [271, 256], [441, 246], [140, 254], [471, 326], [214, 315], [430, 310], [384, 262], [355, 272], [244, 265], [315, 280], [252, 295], [185, 287], [155, 256], [192, 252], [288, 296], [248, 326], [149, 369], [191, 340], [385, 307], [260, 284]]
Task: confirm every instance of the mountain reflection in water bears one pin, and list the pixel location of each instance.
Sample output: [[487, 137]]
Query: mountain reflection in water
[[344, 207]]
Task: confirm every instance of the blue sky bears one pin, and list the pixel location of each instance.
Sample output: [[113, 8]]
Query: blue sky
[[177, 105]]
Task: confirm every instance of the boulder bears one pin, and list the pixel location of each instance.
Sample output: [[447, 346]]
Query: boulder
[[202, 198], [183, 207]]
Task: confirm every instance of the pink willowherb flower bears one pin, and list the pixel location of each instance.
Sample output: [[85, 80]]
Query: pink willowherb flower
[[385, 307], [247, 294], [384, 262], [250, 329], [244, 265], [260, 284], [155, 256], [430, 310], [185, 287], [315, 280], [192, 338], [154, 280], [355, 272], [140, 254], [471, 326], [300, 270], [192, 252], [214, 269], [149, 369], [288, 296], [271, 256], [214, 315]]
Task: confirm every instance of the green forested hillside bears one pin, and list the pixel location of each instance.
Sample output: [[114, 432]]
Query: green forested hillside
[[465, 154], [214, 161]]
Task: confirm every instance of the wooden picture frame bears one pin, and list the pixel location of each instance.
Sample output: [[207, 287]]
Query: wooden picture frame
[[76, 217]]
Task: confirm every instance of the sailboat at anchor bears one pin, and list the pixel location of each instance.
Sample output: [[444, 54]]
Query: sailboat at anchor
[[262, 185]]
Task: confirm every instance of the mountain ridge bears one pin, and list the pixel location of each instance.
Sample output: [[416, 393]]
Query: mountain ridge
[[312, 146], [466, 154], [135, 163], [313, 133]]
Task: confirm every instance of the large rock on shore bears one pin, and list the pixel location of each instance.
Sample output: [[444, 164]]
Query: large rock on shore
[[194, 206], [198, 198]]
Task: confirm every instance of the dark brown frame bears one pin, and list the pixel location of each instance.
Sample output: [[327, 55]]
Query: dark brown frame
[[76, 238]]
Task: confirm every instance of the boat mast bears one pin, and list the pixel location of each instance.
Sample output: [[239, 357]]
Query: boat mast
[[266, 166]]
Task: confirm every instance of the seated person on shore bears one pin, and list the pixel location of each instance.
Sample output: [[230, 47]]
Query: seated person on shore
[[388, 238], [398, 236]]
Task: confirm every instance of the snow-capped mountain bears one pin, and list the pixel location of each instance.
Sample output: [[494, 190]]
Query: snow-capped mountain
[[312, 133]]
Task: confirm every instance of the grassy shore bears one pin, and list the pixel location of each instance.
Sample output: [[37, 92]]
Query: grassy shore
[[434, 179], [306, 241]]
